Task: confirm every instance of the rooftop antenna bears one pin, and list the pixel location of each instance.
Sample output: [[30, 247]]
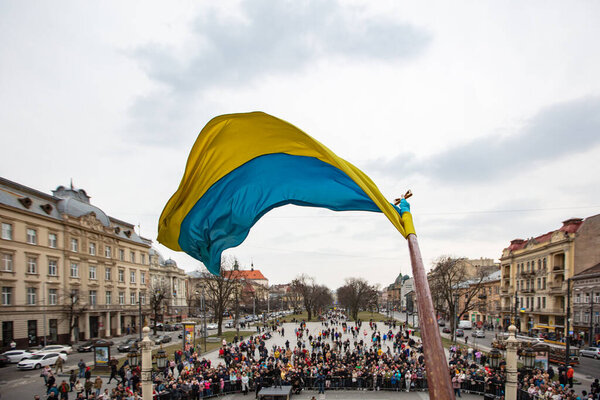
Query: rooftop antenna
[[71, 183]]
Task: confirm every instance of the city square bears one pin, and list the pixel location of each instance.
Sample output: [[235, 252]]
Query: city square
[[310, 199]]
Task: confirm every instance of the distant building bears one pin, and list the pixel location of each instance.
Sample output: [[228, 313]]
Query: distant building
[[535, 274], [166, 272], [586, 305], [68, 271]]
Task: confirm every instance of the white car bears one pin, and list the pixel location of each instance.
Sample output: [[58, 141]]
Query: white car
[[211, 326], [14, 356], [39, 360], [591, 352], [59, 348]]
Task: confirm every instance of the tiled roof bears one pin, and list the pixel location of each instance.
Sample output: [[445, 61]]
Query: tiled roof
[[590, 271], [571, 225], [246, 274]]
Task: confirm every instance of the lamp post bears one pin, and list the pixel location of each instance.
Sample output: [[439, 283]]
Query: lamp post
[[511, 364], [133, 358], [568, 319], [161, 359], [146, 363], [494, 358], [528, 356]]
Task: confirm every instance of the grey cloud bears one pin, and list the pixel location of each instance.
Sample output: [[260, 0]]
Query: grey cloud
[[276, 37], [556, 131]]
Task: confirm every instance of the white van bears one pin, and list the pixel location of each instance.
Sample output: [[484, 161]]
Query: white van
[[464, 324]]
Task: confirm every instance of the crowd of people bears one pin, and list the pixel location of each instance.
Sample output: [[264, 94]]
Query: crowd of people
[[336, 355]]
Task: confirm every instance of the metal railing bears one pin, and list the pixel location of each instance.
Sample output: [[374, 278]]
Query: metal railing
[[329, 383]]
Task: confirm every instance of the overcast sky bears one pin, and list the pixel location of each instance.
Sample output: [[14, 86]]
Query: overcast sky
[[488, 111]]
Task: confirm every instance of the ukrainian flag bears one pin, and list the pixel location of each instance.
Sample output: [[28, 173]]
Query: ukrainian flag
[[244, 165]]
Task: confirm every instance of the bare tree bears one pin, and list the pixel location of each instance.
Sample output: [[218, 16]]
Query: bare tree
[[220, 290], [321, 298], [304, 286], [455, 292], [73, 308], [294, 299], [160, 293], [357, 295]]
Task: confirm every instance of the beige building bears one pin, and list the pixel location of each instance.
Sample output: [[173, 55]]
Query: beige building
[[535, 274], [167, 273], [68, 271]]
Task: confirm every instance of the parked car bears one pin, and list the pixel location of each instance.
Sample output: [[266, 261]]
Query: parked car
[[212, 326], [41, 359], [229, 324], [4, 360], [161, 339], [441, 322], [89, 345], [57, 348], [128, 345], [460, 333], [590, 352], [14, 356], [478, 333], [446, 330]]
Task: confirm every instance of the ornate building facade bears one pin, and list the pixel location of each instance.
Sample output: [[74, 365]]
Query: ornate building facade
[[534, 287], [68, 271]]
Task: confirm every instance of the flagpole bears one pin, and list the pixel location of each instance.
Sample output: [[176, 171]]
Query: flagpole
[[438, 376]]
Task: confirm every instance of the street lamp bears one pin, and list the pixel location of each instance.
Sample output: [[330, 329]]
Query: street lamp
[[494, 357], [133, 358], [528, 356], [161, 359]]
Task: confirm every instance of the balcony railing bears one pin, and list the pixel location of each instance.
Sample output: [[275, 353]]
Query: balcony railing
[[528, 290]]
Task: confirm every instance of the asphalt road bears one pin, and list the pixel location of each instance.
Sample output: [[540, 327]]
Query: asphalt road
[[588, 367]]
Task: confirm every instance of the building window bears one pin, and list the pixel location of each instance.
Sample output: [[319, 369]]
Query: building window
[[143, 258], [31, 265], [92, 272], [52, 240], [539, 283], [121, 254], [108, 297], [74, 270], [7, 231], [544, 283], [543, 302], [74, 245], [132, 277], [578, 298], [107, 274], [121, 275], [7, 262], [544, 263], [7, 333], [31, 236], [52, 267], [92, 297], [143, 299], [121, 298], [6, 296], [132, 298], [52, 297], [107, 252], [576, 316], [92, 249], [142, 278], [132, 256], [31, 295], [586, 317]]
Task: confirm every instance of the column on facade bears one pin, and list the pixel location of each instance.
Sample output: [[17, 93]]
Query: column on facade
[[118, 317], [107, 326], [86, 326]]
